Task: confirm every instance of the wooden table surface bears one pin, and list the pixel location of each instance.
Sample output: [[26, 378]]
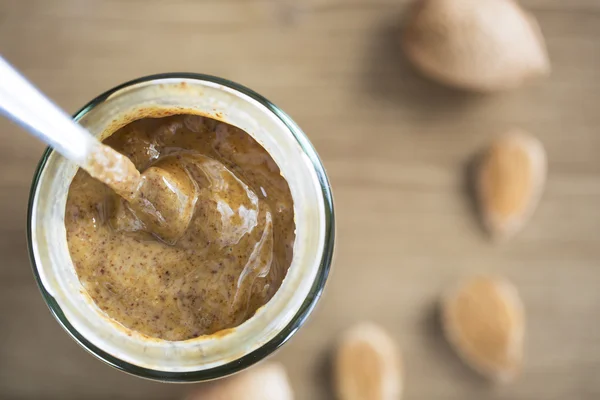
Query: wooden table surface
[[395, 147]]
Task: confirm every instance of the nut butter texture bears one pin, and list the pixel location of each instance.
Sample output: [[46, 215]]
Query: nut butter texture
[[209, 266]]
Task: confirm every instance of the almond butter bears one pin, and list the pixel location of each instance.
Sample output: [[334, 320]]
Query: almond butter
[[479, 45], [267, 381], [367, 365], [509, 181], [484, 321]]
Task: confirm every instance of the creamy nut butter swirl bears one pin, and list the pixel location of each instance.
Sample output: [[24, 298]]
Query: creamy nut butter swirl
[[200, 264]]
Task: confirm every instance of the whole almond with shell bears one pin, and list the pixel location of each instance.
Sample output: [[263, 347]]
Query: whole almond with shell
[[479, 45], [367, 365], [509, 180], [265, 381], [484, 321]]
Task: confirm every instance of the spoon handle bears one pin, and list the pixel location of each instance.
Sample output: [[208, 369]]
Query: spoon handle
[[21, 102]]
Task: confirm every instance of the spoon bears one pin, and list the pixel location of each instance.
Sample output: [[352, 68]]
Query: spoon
[[160, 200]]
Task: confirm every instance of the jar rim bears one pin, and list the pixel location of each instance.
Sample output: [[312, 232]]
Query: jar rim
[[281, 337]]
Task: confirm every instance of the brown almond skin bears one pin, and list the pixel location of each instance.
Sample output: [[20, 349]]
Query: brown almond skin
[[477, 45], [509, 181], [367, 365], [266, 381], [484, 321]]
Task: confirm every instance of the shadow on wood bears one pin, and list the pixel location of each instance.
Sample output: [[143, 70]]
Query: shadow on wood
[[324, 375], [470, 190]]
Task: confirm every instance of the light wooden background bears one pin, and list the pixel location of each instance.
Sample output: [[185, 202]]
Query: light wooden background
[[395, 147]]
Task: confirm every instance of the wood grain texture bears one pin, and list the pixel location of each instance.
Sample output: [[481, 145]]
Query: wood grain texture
[[395, 147]]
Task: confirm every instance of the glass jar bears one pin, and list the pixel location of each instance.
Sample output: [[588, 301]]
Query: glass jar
[[211, 356]]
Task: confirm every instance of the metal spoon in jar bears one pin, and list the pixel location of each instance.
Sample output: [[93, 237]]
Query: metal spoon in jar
[[163, 201]]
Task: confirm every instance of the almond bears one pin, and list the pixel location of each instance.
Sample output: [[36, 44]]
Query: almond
[[509, 181], [479, 45], [266, 381], [484, 321], [367, 365]]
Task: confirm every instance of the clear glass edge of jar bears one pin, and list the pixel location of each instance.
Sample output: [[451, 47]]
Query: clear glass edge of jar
[[269, 347]]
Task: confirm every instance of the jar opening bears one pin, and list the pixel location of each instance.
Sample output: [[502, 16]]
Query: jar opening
[[202, 358]]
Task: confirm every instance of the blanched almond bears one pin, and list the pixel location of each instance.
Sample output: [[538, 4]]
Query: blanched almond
[[484, 321], [266, 381], [367, 365], [509, 181], [480, 45]]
